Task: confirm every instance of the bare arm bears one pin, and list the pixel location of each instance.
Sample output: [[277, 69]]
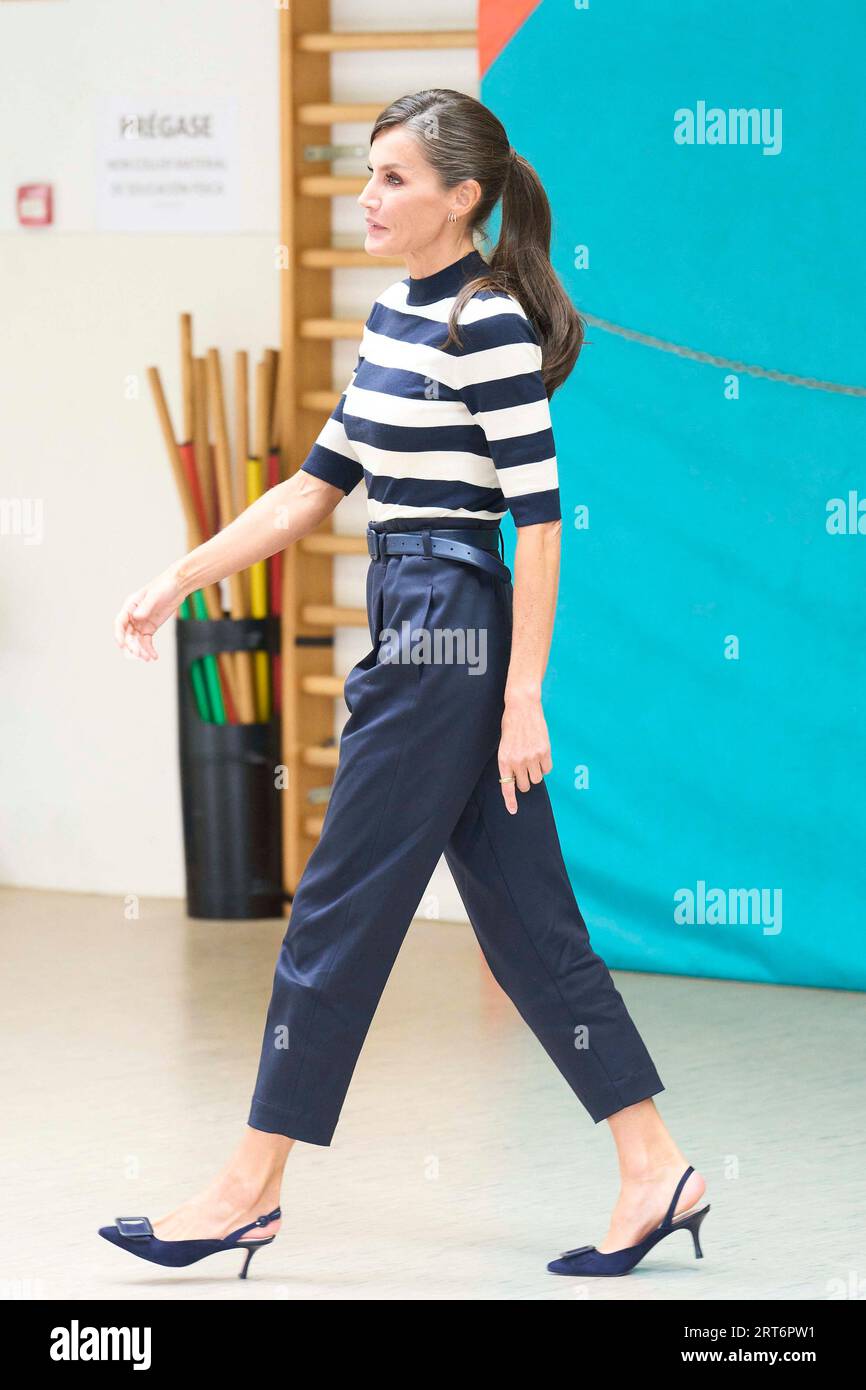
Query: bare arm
[[282, 514], [524, 748]]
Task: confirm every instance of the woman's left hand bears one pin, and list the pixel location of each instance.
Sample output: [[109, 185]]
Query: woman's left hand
[[524, 747]]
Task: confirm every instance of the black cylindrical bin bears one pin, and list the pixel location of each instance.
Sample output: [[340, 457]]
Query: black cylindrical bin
[[232, 808]]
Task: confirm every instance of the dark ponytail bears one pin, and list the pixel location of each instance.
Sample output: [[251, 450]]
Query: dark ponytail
[[462, 139]]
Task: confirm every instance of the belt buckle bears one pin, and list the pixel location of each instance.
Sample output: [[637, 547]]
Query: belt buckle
[[373, 544]]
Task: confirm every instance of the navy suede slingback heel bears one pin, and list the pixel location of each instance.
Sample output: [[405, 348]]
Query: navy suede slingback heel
[[135, 1234], [587, 1260]]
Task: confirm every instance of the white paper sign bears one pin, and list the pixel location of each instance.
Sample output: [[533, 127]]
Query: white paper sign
[[168, 164]]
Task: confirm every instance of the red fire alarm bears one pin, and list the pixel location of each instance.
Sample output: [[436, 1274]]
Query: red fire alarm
[[35, 205]]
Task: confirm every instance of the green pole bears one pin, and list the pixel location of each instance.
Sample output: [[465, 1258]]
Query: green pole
[[211, 669]]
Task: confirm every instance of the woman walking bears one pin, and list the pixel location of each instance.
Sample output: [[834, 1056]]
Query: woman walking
[[445, 750]]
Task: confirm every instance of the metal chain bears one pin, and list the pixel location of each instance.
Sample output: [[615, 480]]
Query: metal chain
[[811, 383]]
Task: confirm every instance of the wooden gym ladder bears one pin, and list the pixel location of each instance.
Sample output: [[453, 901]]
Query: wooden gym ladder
[[306, 396]]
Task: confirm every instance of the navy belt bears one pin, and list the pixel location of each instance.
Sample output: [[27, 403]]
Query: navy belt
[[472, 547]]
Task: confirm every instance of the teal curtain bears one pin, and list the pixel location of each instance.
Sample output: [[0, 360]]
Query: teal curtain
[[705, 692]]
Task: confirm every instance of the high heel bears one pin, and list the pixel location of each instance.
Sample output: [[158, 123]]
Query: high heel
[[135, 1234], [587, 1260]]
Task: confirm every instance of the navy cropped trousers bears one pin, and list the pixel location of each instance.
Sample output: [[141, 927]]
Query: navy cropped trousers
[[417, 777]]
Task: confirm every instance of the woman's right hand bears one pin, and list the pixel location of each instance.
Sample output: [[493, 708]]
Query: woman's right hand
[[146, 610]]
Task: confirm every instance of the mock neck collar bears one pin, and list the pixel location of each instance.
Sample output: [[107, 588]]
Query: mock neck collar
[[445, 283]]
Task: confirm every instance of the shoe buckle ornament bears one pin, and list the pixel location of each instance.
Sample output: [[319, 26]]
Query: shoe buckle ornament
[[134, 1227], [578, 1250]]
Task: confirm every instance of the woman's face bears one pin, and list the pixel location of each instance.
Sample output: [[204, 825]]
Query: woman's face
[[406, 201]]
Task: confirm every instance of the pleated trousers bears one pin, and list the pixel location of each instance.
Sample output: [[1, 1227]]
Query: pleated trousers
[[417, 777]]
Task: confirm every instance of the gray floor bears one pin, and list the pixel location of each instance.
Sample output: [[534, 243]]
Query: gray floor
[[462, 1161]]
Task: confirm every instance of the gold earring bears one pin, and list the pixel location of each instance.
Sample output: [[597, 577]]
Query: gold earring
[[452, 217]]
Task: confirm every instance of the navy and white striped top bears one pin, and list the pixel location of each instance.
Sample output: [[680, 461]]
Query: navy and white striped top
[[457, 435]]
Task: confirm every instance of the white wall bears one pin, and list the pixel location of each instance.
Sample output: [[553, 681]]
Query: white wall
[[90, 787]]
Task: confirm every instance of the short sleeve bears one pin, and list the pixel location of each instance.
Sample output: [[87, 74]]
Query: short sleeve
[[332, 457], [503, 389]]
